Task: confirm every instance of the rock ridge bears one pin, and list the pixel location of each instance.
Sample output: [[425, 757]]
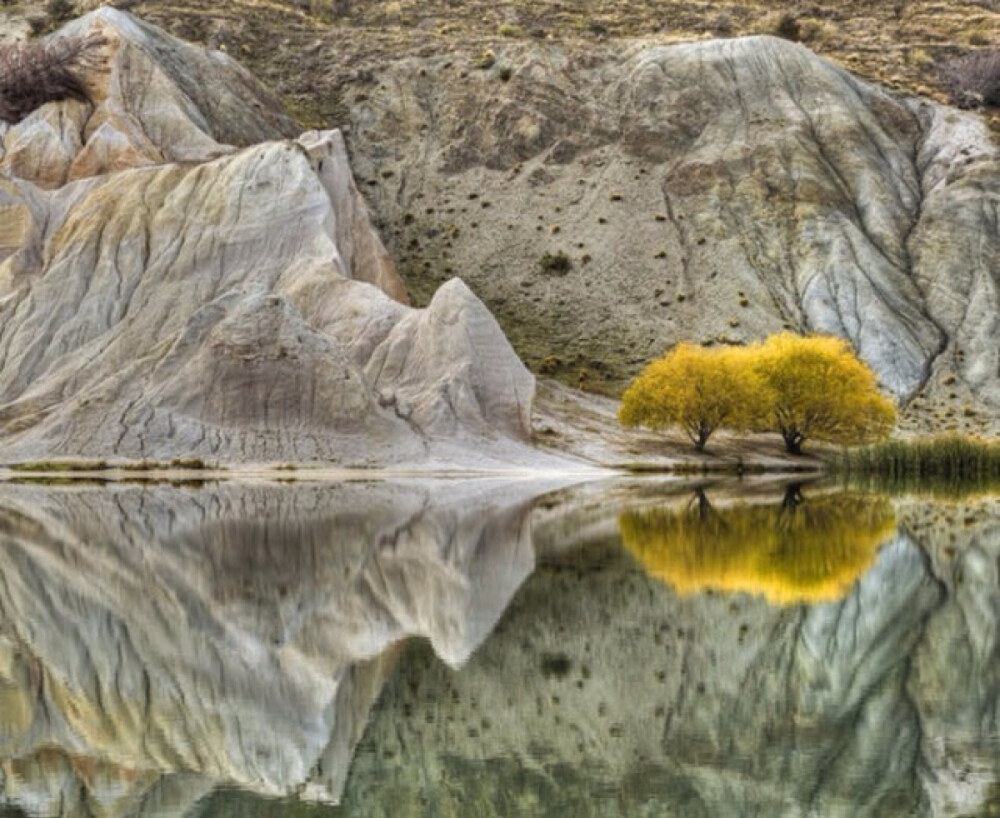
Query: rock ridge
[[177, 279]]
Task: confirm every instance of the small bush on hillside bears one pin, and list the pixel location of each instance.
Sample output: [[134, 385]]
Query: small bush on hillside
[[34, 73], [486, 60], [59, 11], [549, 365], [555, 264], [974, 81], [788, 27]]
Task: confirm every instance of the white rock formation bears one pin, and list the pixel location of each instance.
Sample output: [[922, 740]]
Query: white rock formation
[[165, 293]]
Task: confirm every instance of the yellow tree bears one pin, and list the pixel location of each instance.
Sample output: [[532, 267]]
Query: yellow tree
[[695, 388], [815, 388]]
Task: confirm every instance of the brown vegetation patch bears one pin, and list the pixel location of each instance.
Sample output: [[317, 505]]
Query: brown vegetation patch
[[974, 80], [37, 72], [311, 51]]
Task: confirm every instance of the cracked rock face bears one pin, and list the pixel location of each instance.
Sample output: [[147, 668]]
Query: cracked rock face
[[158, 642], [165, 291], [710, 191]]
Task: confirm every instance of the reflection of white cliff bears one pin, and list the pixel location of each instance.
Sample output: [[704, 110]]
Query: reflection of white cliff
[[237, 633], [886, 703], [955, 682]]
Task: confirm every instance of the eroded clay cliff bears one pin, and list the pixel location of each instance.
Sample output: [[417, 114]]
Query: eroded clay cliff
[[165, 292], [714, 191]]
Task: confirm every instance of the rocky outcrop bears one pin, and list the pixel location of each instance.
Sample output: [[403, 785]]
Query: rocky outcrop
[[158, 642], [716, 191], [166, 292], [156, 100]]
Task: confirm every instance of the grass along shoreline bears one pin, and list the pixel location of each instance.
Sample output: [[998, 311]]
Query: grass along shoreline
[[941, 459], [949, 457]]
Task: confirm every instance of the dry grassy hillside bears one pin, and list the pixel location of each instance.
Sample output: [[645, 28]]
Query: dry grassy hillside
[[306, 49]]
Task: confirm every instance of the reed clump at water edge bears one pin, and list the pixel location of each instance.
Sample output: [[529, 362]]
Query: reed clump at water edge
[[945, 457]]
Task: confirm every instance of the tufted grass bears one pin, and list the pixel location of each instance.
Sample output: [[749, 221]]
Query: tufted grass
[[945, 458]]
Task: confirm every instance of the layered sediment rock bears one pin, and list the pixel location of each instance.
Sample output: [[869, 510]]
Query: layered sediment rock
[[166, 292]]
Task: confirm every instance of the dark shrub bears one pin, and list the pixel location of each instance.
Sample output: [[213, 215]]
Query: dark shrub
[[59, 10], [789, 28], [555, 264], [34, 73], [974, 81]]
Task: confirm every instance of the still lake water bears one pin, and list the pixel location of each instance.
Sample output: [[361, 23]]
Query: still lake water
[[497, 648]]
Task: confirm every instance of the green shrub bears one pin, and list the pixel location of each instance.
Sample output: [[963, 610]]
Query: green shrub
[[946, 457]]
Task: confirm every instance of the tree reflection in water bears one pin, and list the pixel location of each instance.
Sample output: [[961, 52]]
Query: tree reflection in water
[[793, 551]]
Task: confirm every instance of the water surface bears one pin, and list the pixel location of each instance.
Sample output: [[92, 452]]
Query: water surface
[[497, 647]]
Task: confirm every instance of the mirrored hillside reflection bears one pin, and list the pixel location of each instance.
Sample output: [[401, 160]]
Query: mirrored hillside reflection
[[497, 648], [157, 642], [795, 550]]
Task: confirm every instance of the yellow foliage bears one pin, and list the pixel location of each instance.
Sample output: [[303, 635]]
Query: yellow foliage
[[812, 552], [695, 388], [816, 388]]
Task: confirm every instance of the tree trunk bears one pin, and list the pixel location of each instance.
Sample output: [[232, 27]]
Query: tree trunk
[[793, 440], [702, 439], [704, 506], [793, 496]]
